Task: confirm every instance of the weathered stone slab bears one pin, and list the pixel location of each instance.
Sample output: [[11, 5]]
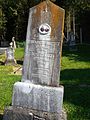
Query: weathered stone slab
[[19, 113], [2, 50], [13, 113], [10, 60], [42, 98], [44, 44]]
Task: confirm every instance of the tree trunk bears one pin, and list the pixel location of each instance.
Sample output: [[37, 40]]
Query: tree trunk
[[68, 24], [80, 35], [74, 24]]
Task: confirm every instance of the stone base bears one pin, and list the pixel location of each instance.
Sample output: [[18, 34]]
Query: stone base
[[19, 113], [43, 99], [10, 62]]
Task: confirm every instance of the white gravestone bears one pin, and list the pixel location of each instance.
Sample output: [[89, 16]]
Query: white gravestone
[[10, 60]]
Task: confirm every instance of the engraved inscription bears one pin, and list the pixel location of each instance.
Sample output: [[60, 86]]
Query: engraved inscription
[[44, 54]]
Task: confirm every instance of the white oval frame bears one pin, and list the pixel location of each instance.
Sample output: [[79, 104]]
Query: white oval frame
[[44, 32]]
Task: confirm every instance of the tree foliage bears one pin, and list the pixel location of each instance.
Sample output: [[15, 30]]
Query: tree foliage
[[2, 21], [14, 14], [75, 5]]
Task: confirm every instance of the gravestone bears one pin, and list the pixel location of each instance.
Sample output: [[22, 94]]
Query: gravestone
[[72, 42], [2, 50], [10, 60], [39, 92]]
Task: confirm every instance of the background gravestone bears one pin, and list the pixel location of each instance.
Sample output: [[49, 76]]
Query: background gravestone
[[72, 41], [39, 92], [10, 60]]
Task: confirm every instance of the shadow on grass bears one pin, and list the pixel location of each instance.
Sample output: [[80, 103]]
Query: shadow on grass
[[1, 117], [78, 56], [75, 76], [2, 63], [76, 97], [20, 62], [82, 53], [77, 101]]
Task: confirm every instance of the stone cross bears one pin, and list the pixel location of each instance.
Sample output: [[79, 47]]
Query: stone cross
[[39, 91]]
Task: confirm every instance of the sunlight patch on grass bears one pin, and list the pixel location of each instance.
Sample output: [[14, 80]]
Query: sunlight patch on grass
[[6, 88], [19, 53], [5, 70]]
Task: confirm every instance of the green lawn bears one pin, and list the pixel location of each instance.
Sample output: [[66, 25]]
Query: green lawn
[[75, 77], [8, 78]]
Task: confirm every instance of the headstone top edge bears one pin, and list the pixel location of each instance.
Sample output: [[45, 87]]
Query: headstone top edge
[[62, 9], [28, 84]]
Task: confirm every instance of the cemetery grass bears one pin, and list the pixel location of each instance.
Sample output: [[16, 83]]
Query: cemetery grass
[[8, 78], [75, 77]]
